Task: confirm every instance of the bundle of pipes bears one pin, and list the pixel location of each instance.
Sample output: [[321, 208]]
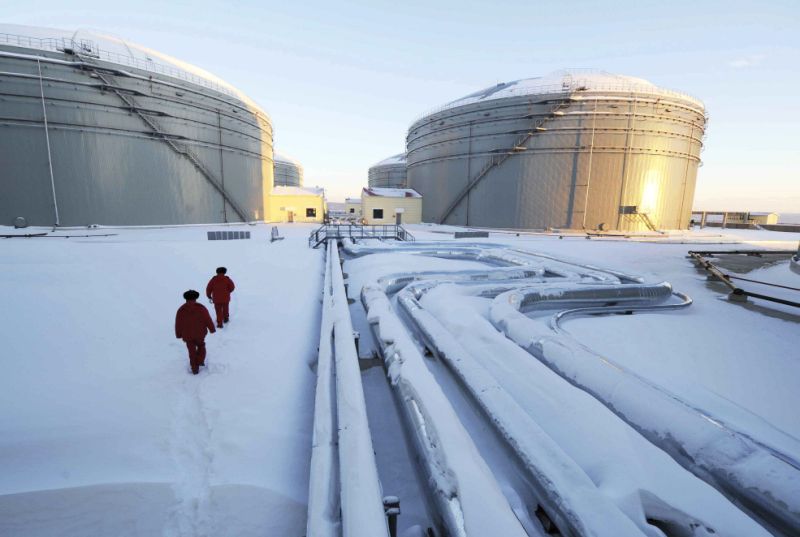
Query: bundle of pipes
[[716, 451], [345, 496]]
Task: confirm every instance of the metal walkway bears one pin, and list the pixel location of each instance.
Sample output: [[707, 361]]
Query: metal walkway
[[355, 232]]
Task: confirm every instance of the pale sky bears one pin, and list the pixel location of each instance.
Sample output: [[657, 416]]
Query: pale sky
[[343, 80]]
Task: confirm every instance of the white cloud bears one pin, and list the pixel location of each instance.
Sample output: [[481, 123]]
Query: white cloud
[[746, 61]]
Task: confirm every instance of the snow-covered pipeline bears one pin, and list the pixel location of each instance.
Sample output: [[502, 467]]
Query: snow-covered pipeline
[[468, 499], [762, 479], [567, 495], [345, 496], [717, 452], [565, 492]]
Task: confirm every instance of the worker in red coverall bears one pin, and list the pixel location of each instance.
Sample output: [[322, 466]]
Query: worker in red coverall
[[219, 291], [192, 323]]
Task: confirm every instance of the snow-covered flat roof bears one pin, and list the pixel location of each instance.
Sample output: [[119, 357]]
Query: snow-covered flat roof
[[392, 192], [297, 191], [355, 201]]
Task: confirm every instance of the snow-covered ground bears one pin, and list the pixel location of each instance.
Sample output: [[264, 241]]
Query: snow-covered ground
[[103, 431]]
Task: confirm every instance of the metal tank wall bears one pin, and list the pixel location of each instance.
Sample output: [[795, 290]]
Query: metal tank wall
[[598, 159], [288, 172], [389, 173], [173, 157]]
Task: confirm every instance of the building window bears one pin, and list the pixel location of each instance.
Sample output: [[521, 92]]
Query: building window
[[311, 212], [377, 214], [352, 210]]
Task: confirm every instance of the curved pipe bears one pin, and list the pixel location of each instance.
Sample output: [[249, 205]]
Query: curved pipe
[[704, 454], [490, 253], [703, 444], [532, 299], [565, 492], [562, 488], [395, 282], [555, 321]]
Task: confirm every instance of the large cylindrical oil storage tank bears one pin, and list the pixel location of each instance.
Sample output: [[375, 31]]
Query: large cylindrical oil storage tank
[[577, 149], [388, 173], [288, 171], [97, 130]]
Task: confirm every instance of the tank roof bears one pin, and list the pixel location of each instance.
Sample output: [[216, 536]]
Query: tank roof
[[285, 159], [400, 158], [567, 81], [117, 50], [392, 192]]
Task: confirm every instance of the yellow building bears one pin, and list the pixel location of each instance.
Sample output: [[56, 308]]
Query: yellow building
[[763, 218], [352, 208], [391, 206], [297, 204]]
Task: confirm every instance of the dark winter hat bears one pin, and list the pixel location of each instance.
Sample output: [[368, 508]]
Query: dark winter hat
[[191, 294], [221, 270]]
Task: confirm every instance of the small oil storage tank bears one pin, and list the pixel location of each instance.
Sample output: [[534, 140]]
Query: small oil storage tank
[[298, 204], [389, 173], [288, 171], [98, 130], [391, 206], [574, 149]]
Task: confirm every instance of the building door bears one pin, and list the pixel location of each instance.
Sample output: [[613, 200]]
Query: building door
[[290, 216], [398, 218]]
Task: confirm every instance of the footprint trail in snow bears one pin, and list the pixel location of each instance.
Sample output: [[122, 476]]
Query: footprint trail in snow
[[191, 451]]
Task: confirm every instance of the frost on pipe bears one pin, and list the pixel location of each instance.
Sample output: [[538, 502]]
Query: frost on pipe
[[761, 479], [494, 254], [393, 283], [567, 495], [344, 477], [564, 491], [468, 499]]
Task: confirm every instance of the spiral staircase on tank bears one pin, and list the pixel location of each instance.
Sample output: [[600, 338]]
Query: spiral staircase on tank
[[500, 156]]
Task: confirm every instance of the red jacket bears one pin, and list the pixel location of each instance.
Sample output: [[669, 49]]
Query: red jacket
[[220, 288], [193, 322]]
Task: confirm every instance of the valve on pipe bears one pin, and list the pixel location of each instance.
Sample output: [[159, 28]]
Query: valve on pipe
[[391, 506]]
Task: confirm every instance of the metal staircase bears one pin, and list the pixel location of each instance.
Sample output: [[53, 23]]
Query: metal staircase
[[158, 133], [648, 222], [501, 155]]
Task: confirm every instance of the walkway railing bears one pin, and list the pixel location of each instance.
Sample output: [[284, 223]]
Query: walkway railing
[[87, 47], [356, 232]]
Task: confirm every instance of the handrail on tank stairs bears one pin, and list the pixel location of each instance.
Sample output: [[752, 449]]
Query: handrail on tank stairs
[[500, 156], [161, 135]]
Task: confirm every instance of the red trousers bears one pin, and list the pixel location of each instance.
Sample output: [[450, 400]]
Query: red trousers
[[222, 313], [197, 353]]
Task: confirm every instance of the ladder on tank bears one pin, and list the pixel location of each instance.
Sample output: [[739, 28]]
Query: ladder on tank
[[644, 218], [159, 134], [648, 222], [500, 156]]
